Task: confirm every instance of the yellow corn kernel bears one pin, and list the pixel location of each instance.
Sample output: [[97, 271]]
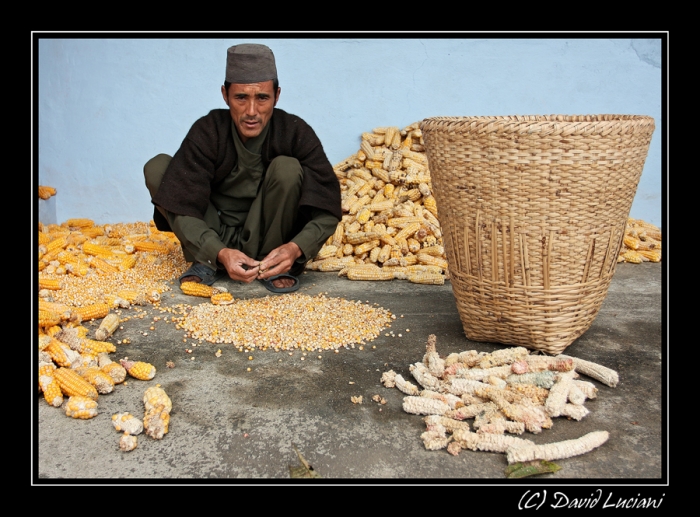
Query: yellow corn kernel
[[108, 325], [139, 369], [93, 311], [223, 298], [198, 289], [45, 192], [79, 222], [81, 407], [73, 384]]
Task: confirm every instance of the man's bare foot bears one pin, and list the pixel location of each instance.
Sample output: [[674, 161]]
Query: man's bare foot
[[283, 282], [191, 279]]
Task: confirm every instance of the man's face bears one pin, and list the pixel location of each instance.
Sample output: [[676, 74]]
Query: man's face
[[251, 106]]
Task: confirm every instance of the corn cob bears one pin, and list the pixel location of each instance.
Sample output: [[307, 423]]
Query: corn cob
[[430, 260], [127, 423], [48, 318], [46, 192], [115, 301], [651, 255], [108, 325], [366, 247], [632, 256], [139, 369], [115, 370], [49, 385], [150, 247], [50, 284], [326, 251], [426, 278], [102, 266], [96, 250], [367, 272], [73, 384], [158, 405], [223, 298], [132, 296], [61, 354], [79, 222], [91, 233], [81, 407], [102, 382], [356, 238], [94, 347], [90, 312], [198, 289]]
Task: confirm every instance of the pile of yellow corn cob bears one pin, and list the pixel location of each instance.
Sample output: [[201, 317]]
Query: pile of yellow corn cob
[[641, 243], [390, 226]]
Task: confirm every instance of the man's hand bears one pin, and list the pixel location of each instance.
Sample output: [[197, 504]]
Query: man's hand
[[239, 266], [278, 261]]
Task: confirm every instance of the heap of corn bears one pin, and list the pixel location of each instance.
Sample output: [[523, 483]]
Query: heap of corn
[[390, 226], [641, 242]]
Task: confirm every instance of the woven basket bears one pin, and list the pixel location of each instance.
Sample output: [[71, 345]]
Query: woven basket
[[533, 212]]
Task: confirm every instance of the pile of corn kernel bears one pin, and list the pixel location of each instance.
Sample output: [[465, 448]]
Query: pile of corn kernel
[[390, 219], [287, 323]]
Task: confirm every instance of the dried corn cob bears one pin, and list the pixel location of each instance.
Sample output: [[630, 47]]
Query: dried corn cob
[[46, 192], [115, 370], [198, 289], [139, 369], [73, 384], [81, 407], [49, 385], [102, 382], [79, 222], [150, 247], [50, 284], [223, 298], [128, 442], [90, 312], [157, 412], [126, 422], [108, 325]]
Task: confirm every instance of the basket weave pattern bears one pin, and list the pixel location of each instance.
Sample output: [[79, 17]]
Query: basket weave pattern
[[533, 212]]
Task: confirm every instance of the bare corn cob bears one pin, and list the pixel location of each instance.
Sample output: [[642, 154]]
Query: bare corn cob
[[108, 325], [102, 382], [115, 370]]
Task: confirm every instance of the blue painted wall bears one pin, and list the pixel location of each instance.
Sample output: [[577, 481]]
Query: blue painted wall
[[105, 106]]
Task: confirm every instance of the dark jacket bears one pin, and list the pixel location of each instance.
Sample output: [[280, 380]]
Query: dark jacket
[[208, 154]]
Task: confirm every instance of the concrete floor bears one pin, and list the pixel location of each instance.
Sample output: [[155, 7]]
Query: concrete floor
[[233, 425]]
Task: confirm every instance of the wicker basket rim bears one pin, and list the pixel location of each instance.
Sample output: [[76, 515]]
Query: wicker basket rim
[[543, 124]]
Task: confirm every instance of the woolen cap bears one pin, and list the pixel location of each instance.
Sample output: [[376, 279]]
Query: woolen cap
[[250, 63]]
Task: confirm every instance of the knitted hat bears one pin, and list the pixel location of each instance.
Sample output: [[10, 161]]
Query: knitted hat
[[250, 63]]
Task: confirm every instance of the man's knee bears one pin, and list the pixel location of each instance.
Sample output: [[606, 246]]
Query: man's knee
[[285, 171], [153, 171]]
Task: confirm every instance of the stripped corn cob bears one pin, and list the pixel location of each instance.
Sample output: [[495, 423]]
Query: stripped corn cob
[[158, 405], [139, 369], [108, 325], [127, 423], [198, 289], [73, 384], [81, 407]]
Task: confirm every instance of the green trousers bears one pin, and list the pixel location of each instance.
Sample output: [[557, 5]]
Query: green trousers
[[271, 220]]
